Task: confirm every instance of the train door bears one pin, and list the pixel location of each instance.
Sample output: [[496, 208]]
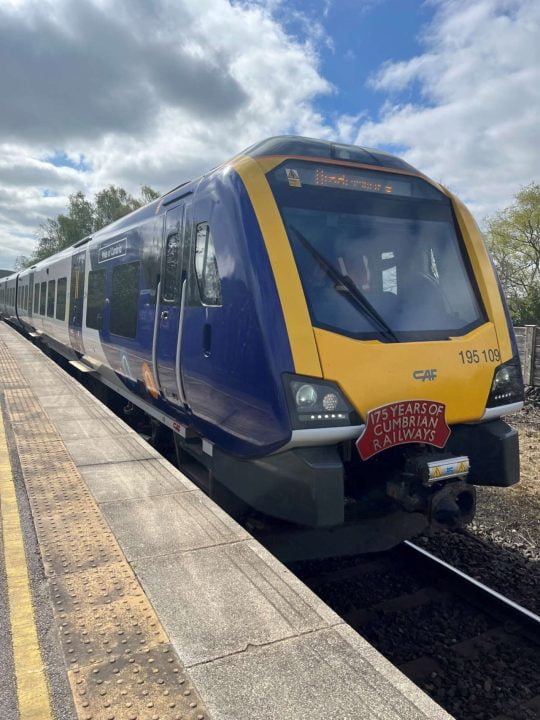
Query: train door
[[170, 305], [76, 300]]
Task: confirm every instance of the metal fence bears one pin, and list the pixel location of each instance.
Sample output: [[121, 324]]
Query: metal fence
[[528, 341]]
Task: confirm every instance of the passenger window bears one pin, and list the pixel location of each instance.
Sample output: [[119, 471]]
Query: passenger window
[[42, 298], [24, 297], [36, 298], [124, 299], [61, 299], [96, 297], [50, 298], [206, 267]]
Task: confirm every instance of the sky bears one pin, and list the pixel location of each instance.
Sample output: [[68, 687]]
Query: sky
[[155, 92]]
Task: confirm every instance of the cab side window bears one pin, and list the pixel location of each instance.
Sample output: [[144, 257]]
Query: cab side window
[[206, 268]]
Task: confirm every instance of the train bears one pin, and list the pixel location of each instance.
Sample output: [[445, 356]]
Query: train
[[318, 325]]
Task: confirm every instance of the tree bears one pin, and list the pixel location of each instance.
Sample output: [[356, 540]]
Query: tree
[[84, 217], [513, 235]]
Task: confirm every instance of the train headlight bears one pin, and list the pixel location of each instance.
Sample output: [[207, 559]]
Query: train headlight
[[317, 403], [507, 385], [305, 397]]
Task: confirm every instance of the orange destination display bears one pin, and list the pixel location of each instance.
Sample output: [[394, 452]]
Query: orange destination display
[[407, 421]]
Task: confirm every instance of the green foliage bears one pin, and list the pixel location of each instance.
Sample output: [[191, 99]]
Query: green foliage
[[513, 235], [84, 217]]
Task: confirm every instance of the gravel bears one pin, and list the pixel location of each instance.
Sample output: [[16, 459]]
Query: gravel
[[502, 546]]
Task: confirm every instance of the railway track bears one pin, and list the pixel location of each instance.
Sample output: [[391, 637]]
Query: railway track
[[476, 652]]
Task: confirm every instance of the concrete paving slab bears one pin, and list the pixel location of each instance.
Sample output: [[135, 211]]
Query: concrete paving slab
[[221, 600], [54, 390], [110, 449], [169, 524], [72, 429], [305, 678], [78, 411], [64, 400], [140, 478]]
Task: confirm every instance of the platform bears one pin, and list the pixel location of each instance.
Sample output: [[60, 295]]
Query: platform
[[125, 593]]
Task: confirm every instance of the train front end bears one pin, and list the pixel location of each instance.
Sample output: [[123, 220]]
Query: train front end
[[405, 360]]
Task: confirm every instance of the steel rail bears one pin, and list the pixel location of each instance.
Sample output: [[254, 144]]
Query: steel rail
[[479, 585]]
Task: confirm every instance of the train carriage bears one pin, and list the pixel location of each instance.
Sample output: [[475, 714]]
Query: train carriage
[[319, 324]]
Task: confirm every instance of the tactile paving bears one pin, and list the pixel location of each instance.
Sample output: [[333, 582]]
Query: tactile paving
[[120, 664], [70, 544], [23, 407], [146, 686], [96, 586], [123, 627]]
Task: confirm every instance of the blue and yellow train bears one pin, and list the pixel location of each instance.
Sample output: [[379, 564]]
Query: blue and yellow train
[[319, 324]]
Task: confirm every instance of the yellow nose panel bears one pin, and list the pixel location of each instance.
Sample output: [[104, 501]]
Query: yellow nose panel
[[457, 372]]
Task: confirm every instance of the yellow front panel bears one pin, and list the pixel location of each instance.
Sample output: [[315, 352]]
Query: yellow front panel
[[372, 373]]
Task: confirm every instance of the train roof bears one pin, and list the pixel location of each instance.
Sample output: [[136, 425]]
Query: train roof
[[296, 145]]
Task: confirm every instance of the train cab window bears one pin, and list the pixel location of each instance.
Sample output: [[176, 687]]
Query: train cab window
[[36, 298], [206, 267], [50, 298], [379, 255], [96, 298], [43, 298], [124, 299], [61, 299]]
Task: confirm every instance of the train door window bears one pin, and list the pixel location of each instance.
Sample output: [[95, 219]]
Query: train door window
[[36, 298], [61, 299], [42, 298], [172, 266], [50, 298], [124, 299], [206, 267], [96, 298]]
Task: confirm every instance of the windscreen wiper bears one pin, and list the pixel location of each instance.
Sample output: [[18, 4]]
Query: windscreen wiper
[[353, 291]]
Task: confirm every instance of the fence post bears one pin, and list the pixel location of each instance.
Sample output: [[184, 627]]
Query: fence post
[[535, 356], [529, 355]]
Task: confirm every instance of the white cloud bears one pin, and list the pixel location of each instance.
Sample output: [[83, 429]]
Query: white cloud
[[152, 93], [477, 129]]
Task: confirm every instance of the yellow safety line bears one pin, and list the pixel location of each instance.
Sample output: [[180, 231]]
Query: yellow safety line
[[32, 690]]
